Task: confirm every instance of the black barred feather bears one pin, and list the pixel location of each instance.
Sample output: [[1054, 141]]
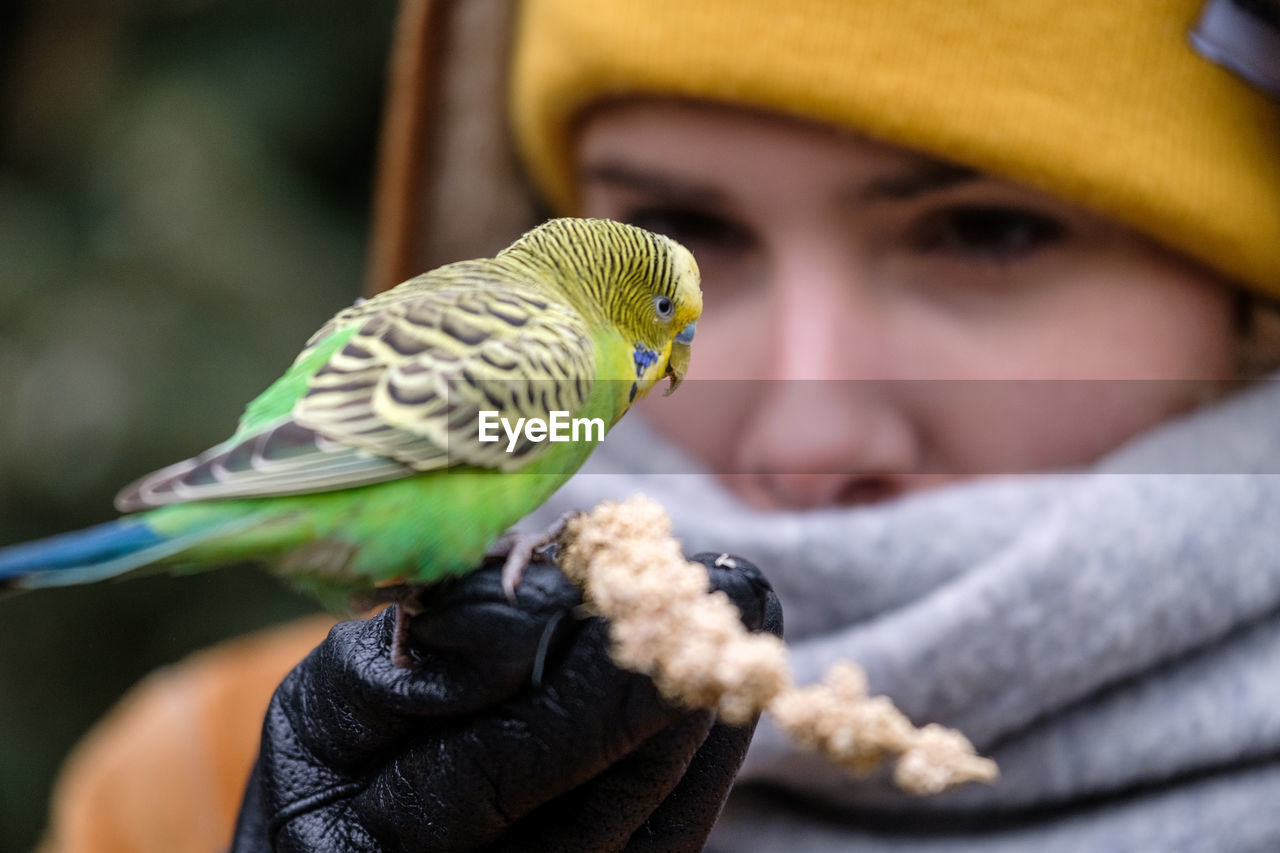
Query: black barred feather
[[284, 459]]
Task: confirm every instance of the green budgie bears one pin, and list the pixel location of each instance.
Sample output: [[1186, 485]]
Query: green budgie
[[385, 455]]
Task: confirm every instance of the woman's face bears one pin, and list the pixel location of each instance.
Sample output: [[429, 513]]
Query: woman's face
[[877, 322]]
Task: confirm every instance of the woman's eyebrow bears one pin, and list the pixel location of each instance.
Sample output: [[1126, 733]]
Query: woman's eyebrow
[[651, 182], [924, 176], [918, 178]]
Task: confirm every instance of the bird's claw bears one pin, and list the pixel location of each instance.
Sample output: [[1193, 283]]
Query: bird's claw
[[519, 548]]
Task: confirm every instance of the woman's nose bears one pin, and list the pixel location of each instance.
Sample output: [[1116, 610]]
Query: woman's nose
[[830, 317], [815, 443], [830, 427]]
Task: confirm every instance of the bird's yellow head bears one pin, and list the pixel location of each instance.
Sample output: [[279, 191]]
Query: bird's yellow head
[[644, 285], [676, 304]]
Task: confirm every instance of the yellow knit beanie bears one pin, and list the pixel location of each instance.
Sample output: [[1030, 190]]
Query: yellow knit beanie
[[1101, 102]]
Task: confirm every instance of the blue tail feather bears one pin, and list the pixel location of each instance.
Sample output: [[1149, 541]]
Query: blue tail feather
[[78, 548], [100, 552], [81, 556]]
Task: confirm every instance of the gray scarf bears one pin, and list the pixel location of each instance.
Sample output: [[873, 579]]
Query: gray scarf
[[1111, 637]]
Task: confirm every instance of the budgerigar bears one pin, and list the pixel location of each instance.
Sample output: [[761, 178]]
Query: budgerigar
[[362, 466]]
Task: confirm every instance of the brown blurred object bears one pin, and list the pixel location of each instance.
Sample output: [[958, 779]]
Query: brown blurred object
[[447, 188]]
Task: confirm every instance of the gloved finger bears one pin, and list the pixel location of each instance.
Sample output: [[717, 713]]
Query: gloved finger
[[475, 647], [747, 588], [606, 812], [683, 820]]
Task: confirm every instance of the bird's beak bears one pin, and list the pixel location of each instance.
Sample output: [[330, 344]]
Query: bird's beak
[[678, 362]]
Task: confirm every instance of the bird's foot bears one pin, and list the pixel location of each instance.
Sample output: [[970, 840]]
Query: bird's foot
[[519, 548], [407, 607]]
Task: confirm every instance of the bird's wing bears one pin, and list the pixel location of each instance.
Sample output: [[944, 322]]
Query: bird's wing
[[411, 383], [393, 387]]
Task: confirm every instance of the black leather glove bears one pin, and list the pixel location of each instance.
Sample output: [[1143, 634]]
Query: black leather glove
[[516, 732]]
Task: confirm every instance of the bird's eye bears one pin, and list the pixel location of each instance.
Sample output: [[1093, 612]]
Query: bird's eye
[[664, 306]]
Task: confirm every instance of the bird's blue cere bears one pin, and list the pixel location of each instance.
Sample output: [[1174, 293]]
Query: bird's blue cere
[[686, 334]]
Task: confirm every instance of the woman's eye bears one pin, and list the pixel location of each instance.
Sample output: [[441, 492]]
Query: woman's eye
[[989, 232], [694, 228]]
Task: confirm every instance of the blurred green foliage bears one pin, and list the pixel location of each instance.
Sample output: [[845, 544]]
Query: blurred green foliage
[[184, 198]]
